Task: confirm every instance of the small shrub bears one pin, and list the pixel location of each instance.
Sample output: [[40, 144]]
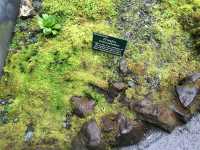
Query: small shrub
[[49, 25]]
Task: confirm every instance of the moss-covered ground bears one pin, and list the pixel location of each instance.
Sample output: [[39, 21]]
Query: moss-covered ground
[[40, 77]]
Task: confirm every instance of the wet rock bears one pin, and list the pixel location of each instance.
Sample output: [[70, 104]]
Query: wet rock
[[158, 115], [82, 106], [120, 131], [89, 137], [26, 9]]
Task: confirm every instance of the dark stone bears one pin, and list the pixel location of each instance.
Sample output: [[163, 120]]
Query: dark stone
[[82, 106], [89, 137], [158, 115], [124, 132], [182, 113]]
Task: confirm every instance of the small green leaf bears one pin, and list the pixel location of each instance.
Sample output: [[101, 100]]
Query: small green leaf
[[54, 32], [57, 26], [47, 31]]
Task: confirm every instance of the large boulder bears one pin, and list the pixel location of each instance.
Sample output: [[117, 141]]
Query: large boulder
[[158, 115], [89, 137], [188, 89], [120, 131], [82, 106]]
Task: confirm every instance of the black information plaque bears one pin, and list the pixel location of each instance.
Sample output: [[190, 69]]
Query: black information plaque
[[108, 44]]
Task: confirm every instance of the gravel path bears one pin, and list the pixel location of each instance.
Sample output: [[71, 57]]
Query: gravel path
[[183, 138]]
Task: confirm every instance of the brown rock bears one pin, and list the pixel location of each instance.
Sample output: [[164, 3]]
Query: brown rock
[[89, 137], [116, 88], [158, 115], [182, 113], [121, 130], [119, 86], [82, 106], [112, 91]]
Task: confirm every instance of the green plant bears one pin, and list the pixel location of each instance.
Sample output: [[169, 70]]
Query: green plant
[[49, 24]]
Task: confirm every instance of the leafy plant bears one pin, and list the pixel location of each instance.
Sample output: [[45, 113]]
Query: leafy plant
[[49, 24]]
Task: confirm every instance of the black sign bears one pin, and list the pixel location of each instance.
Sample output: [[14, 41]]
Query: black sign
[[108, 44]]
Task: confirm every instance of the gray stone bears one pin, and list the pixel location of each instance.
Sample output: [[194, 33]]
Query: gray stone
[[186, 94]]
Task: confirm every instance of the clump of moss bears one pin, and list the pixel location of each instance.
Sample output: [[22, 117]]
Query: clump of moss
[[164, 55], [41, 76]]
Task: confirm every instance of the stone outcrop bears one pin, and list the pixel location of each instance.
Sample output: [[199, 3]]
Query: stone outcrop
[[158, 115], [89, 137], [120, 131]]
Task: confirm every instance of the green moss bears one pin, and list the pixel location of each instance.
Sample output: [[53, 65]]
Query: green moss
[[41, 77], [82, 9]]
